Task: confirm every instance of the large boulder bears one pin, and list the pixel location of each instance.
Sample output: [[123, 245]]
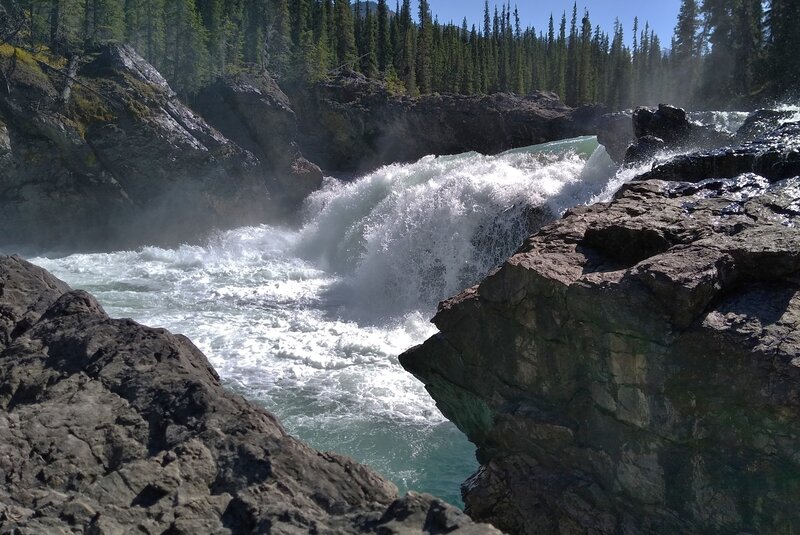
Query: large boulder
[[630, 137], [355, 124], [107, 426], [635, 367], [255, 113], [120, 162], [615, 133]]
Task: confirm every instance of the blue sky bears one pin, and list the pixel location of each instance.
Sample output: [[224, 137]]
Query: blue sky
[[661, 14]]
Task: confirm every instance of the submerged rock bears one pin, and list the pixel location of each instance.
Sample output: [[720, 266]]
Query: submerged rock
[[107, 426], [635, 367], [353, 123]]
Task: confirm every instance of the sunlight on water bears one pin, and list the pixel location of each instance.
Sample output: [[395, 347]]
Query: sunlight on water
[[310, 322]]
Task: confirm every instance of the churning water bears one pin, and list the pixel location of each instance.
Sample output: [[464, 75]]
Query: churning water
[[310, 322]]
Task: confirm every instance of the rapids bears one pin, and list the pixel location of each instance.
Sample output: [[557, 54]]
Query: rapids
[[310, 321]]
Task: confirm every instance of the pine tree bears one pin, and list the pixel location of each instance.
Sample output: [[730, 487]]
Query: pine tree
[[586, 91], [104, 20], [369, 59], [783, 47], [344, 32], [748, 46], [384, 43], [686, 50], [186, 54], [572, 74], [424, 48]]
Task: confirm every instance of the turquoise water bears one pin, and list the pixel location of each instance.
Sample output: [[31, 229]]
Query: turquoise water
[[309, 322]]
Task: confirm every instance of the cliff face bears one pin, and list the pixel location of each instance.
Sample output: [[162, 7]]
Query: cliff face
[[111, 157], [353, 124], [635, 367], [107, 426]]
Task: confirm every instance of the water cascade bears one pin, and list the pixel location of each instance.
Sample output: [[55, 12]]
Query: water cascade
[[310, 321]]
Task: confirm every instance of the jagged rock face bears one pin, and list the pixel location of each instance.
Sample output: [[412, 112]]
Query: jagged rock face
[[775, 155], [256, 114], [107, 426], [353, 124], [122, 163], [635, 367]]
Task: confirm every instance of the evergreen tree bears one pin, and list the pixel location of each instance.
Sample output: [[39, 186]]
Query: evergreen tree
[[686, 48], [185, 51], [104, 20], [369, 59], [424, 48], [384, 43], [344, 31], [783, 47]]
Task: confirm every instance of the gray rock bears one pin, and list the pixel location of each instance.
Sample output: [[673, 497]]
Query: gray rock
[[256, 114], [124, 162], [615, 133], [761, 122], [107, 426], [775, 156], [635, 367], [352, 123], [667, 123]]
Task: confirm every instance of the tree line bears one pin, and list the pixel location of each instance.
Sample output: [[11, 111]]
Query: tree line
[[723, 53]]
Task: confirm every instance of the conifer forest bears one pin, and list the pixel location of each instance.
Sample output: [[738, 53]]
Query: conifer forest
[[723, 53]]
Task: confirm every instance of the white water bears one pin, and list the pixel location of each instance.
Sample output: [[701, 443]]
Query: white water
[[310, 322], [724, 121], [794, 109]]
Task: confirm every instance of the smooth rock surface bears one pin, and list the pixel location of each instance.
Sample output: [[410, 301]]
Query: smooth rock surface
[[108, 427], [635, 367]]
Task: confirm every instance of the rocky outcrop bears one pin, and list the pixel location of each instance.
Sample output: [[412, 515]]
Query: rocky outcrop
[[615, 133], [256, 114], [775, 155], [635, 367], [649, 131], [107, 426], [352, 123], [760, 123], [121, 162]]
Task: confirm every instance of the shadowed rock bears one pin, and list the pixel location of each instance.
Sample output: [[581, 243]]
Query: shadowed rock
[[123, 162], [353, 123], [256, 114], [107, 426]]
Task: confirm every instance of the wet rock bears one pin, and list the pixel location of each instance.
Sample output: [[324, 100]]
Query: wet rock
[[774, 156], [761, 122], [107, 426], [633, 368], [615, 133], [645, 149], [667, 123], [353, 123]]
